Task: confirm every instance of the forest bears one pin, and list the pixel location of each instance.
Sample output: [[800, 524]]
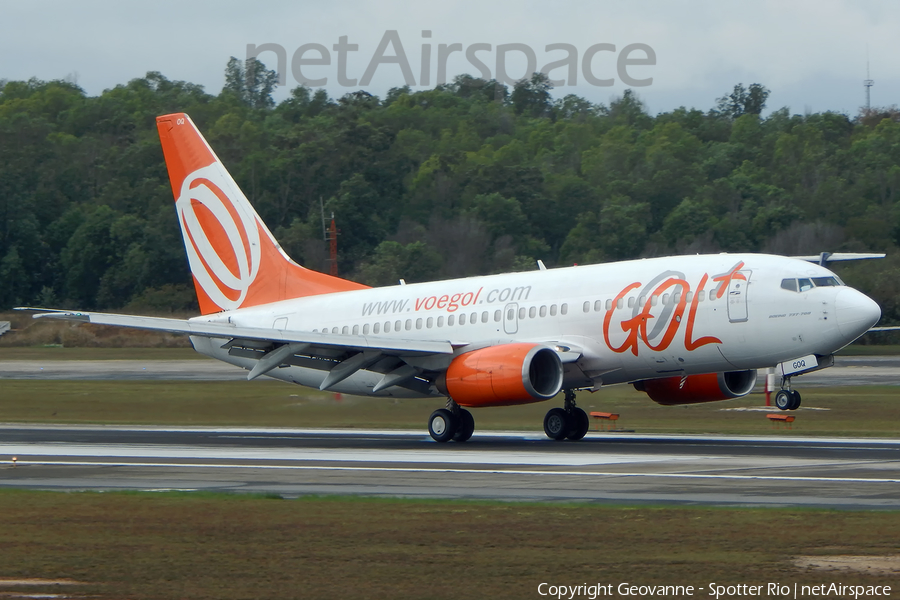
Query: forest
[[467, 178]]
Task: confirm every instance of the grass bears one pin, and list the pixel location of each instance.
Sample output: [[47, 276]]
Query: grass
[[142, 545], [854, 411], [57, 352]]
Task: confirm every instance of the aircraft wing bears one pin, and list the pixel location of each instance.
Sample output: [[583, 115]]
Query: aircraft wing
[[341, 355], [829, 257]]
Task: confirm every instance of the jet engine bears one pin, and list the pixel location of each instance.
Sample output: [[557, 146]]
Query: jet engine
[[694, 389], [503, 375]]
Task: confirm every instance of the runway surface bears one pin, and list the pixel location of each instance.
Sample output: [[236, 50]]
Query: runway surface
[[605, 467], [855, 370]]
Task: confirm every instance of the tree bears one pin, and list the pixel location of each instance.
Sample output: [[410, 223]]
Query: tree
[[531, 96], [251, 83], [743, 101]]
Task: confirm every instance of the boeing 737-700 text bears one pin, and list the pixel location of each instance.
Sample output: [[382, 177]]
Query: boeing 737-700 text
[[683, 329]]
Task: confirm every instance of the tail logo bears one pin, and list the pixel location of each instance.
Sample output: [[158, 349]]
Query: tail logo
[[221, 235]]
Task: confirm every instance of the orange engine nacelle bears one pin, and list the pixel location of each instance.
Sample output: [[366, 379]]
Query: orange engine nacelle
[[694, 389], [503, 375]]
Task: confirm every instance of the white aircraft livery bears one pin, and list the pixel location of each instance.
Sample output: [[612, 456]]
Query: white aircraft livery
[[683, 329]]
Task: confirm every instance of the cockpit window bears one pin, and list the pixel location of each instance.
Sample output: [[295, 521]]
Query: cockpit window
[[825, 281], [804, 285], [789, 284]]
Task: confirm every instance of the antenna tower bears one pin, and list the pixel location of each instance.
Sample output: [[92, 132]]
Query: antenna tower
[[868, 83]]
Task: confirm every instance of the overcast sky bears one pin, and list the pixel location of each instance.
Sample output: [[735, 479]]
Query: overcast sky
[[810, 54]]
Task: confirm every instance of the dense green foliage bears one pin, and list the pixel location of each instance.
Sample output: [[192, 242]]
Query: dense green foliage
[[463, 179]]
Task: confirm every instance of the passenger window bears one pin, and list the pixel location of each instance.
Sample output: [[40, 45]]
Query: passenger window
[[473, 318], [408, 324], [712, 295], [544, 311], [522, 313], [598, 304], [654, 300], [631, 302], [510, 314], [498, 314], [789, 284], [387, 326], [484, 317], [609, 304], [587, 306], [532, 312], [376, 328], [564, 308], [462, 319], [665, 298], [805, 285], [452, 319], [345, 330], [620, 303], [366, 329], [642, 301], [552, 310], [429, 322], [334, 330], [397, 325], [690, 296], [676, 299], [440, 321], [356, 330], [419, 323]]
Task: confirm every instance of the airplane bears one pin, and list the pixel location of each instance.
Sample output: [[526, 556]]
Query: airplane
[[682, 329]]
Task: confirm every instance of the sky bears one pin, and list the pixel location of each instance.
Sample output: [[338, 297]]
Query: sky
[[811, 55]]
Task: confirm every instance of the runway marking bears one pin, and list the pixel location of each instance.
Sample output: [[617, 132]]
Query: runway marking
[[464, 471]]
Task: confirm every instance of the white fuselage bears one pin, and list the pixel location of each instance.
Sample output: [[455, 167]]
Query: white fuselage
[[629, 320]]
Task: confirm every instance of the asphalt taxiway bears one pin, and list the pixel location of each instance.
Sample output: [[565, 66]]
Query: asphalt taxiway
[[604, 467]]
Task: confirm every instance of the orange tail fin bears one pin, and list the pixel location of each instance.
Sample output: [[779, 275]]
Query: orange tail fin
[[234, 259]]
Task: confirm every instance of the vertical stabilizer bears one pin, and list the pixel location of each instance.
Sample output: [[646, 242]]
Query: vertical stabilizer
[[234, 259]]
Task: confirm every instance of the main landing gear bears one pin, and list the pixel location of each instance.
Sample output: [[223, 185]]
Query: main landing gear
[[568, 422], [451, 423], [786, 398]]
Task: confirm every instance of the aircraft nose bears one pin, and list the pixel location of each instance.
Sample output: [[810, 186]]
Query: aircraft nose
[[855, 313]]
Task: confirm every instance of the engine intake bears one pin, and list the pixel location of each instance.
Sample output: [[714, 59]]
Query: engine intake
[[503, 375], [694, 389]]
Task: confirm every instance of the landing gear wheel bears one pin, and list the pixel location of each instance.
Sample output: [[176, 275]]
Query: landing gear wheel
[[795, 400], [784, 399], [466, 426], [442, 425], [579, 423], [556, 424]]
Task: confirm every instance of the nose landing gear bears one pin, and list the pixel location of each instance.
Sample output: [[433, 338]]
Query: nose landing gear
[[786, 398], [569, 422]]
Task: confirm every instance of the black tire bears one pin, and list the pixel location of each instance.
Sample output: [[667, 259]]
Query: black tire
[[466, 426], [442, 425], [579, 423], [784, 399], [556, 424], [795, 400]]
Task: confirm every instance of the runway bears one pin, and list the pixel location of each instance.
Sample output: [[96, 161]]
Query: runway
[[605, 467], [851, 370]]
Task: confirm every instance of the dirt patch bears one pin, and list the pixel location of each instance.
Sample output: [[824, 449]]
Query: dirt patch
[[875, 565]]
